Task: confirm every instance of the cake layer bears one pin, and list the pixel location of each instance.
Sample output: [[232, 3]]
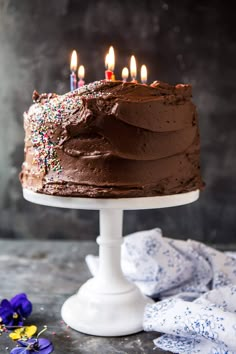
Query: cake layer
[[149, 115], [113, 139], [80, 178], [134, 145]]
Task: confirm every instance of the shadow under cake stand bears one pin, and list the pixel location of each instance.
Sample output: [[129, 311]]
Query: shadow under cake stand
[[108, 304]]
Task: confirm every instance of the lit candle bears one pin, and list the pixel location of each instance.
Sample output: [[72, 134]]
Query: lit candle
[[81, 74], [106, 60], [73, 68], [133, 68], [112, 58], [110, 64], [108, 73], [125, 74], [143, 74]]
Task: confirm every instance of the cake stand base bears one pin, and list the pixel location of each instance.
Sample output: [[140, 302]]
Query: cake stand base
[[99, 314], [108, 304]]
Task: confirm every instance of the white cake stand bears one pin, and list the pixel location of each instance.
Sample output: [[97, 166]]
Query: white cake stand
[[108, 304]]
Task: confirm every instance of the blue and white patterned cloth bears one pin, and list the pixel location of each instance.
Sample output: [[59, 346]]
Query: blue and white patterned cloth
[[206, 325], [197, 288]]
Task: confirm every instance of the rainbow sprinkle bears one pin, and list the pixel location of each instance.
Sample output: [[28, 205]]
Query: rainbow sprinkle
[[44, 118]]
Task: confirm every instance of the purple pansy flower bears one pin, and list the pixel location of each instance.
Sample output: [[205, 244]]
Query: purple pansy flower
[[13, 312], [32, 346]]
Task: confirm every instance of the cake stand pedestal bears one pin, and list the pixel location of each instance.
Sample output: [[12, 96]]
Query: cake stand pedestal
[[108, 304]]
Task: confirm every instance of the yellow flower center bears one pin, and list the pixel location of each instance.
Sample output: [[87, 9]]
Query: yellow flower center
[[15, 315]]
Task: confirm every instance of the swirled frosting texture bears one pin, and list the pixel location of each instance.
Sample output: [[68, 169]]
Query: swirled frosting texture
[[112, 139]]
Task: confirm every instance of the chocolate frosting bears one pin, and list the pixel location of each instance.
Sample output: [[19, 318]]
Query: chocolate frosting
[[113, 139]]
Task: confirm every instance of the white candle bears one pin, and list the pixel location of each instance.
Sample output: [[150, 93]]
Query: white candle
[[125, 74], [143, 74], [133, 68]]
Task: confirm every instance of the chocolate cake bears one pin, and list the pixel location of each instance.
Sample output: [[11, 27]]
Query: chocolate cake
[[111, 139]]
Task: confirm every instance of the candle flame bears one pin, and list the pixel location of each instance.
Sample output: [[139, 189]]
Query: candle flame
[[125, 73], [133, 67], [107, 60], [81, 72], [143, 74], [110, 59], [111, 63], [73, 61]]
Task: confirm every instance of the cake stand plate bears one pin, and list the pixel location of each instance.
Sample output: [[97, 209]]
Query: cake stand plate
[[108, 304], [116, 203]]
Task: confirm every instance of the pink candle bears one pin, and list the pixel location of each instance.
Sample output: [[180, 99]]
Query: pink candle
[[81, 74]]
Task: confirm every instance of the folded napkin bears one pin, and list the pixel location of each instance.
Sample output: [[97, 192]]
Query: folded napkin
[[206, 325], [194, 317]]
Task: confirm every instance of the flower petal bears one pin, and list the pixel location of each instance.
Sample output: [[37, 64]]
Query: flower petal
[[14, 335], [18, 298], [43, 343], [6, 312], [30, 331], [19, 350], [21, 305], [23, 343], [47, 350], [31, 341], [6, 304]]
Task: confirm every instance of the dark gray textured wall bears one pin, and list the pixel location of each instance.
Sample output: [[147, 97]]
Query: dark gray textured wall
[[180, 41]]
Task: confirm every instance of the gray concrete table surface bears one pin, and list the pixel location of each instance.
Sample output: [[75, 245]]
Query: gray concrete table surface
[[49, 272]]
